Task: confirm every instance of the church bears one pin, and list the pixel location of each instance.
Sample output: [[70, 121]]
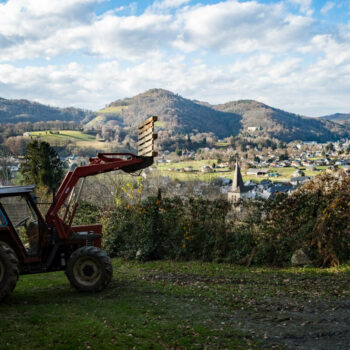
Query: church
[[238, 191]]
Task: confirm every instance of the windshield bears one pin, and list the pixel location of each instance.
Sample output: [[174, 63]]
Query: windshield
[[24, 220]]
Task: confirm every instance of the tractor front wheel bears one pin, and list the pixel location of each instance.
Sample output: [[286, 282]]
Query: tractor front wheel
[[9, 270], [89, 269]]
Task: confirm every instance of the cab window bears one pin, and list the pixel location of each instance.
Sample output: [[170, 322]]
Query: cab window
[[2, 219], [24, 220]]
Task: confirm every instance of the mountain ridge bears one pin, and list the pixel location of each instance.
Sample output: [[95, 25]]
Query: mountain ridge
[[22, 110], [237, 117], [180, 115], [338, 117]]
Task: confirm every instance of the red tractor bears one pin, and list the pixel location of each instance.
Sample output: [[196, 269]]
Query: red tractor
[[31, 243]]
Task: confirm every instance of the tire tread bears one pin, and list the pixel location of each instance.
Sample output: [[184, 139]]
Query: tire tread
[[11, 260], [107, 269]]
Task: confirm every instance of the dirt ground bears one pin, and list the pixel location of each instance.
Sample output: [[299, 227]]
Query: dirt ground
[[320, 325], [310, 312]]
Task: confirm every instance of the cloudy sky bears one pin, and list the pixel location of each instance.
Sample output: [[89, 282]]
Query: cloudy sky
[[290, 54]]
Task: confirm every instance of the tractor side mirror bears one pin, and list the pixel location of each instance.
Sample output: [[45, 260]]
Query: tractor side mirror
[[146, 137]]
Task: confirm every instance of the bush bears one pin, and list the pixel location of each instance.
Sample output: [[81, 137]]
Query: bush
[[316, 218], [86, 214], [168, 229]]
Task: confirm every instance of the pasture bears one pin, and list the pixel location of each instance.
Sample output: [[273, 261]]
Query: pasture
[[175, 171], [182, 305], [64, 137]]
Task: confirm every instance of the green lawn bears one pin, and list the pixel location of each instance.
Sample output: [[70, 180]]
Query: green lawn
[[164, 305], [135, 311]]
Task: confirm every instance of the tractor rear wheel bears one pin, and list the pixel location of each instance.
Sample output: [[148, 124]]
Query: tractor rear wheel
[[89, 269], [9, 270]]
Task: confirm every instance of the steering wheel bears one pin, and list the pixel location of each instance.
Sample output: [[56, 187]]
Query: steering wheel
[[23, 222]]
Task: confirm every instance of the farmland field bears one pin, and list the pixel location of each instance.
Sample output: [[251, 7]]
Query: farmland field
[[61, 137], [182, 305], [169, 169]]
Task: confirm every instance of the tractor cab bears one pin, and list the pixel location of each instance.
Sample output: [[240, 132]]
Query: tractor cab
[[20, 219]]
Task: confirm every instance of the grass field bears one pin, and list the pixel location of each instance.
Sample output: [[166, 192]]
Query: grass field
[[61, 137], [170, 305], [113, 110], [285, 173]]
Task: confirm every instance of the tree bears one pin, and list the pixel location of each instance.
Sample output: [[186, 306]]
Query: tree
[[330, 147], [42, 166], [16, 145], [178, 152], [5, 173]]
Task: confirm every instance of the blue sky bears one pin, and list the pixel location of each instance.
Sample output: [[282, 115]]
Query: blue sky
[[290, 54]]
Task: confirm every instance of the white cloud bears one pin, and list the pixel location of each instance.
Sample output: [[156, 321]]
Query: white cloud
[[126, 38], [232, 26], [304, 6], [327, 7], [319, 88], [33, 19], [168, 4], [68, 26], [26, 25]]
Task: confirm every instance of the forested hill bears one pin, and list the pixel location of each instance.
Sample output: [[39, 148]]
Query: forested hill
[[180, 115], [342, 118], [16, 111], [283, 125], [177, 114]]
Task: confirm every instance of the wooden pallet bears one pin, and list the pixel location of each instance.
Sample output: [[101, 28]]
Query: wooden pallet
[[146, 137]]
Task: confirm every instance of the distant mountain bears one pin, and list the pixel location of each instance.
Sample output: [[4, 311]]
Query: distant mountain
[[177, 114], [180, 115], [338, 117], [16, 111], [283, 125]]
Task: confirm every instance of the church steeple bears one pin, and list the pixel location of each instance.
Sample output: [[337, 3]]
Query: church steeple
[[238, 191], [237, 184]]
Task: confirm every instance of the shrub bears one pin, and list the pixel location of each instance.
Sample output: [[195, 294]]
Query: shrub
[[86, 214], [168, 228], [316, 218]]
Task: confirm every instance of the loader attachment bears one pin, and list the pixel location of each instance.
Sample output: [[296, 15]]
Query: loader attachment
[[102, 163], [146, 137]]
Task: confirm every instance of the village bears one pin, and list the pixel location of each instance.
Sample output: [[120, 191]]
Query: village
[[261, 174]]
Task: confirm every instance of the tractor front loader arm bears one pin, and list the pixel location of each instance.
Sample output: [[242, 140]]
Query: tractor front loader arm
[[104, 162]]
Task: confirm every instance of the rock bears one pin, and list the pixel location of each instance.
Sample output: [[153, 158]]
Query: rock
[[299, 258]]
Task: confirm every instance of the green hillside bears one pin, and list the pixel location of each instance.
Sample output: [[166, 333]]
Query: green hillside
[[179, 115], [283, 125], [62, 137]]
